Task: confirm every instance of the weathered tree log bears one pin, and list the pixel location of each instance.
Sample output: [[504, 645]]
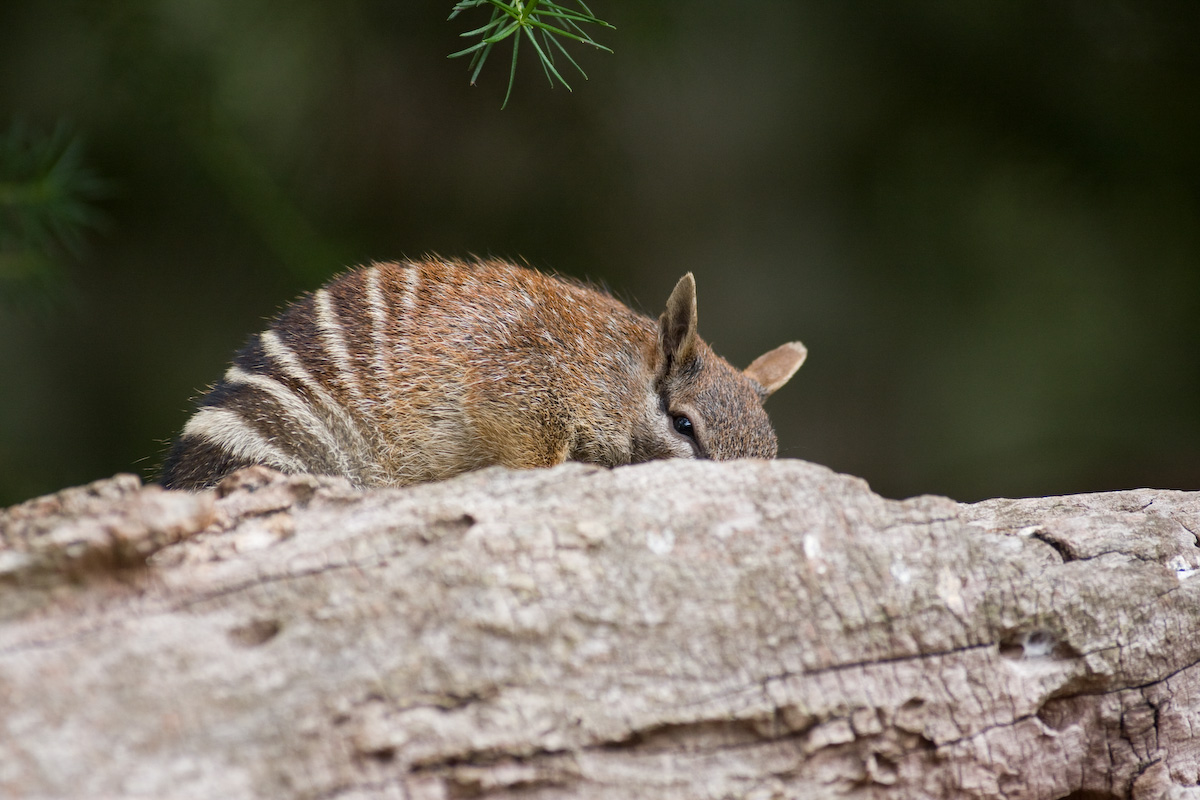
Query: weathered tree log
[[672, 630]]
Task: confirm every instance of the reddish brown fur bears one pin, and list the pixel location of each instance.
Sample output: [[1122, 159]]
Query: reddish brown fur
[[459, 366]]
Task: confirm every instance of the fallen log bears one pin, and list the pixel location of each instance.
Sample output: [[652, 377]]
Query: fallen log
[[670, 630]]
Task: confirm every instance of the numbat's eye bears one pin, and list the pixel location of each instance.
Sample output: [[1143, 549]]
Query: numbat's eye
[[684, 425]]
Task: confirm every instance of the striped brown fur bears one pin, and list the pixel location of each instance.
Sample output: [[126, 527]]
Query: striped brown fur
[[398, 373]]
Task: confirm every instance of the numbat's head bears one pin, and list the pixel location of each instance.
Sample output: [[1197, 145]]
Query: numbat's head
[[398, 373], [715, 409]]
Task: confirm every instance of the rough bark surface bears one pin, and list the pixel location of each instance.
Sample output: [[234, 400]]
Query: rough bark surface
[[672, 630]]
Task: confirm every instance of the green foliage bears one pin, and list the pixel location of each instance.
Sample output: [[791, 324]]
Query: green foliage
[[536, 19], [46, 206]]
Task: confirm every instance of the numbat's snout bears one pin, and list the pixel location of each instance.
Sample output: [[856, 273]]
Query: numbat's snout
[[398, 373]]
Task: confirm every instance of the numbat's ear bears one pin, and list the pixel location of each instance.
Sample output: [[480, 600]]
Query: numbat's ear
[[677, 325], [773, 369]]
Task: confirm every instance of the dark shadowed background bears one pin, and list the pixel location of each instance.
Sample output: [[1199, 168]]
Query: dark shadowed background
[[982, 218]]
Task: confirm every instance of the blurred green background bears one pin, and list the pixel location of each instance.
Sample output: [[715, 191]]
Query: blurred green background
[[983, 218]]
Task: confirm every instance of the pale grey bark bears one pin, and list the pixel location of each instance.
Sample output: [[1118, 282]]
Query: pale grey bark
[[673, 630]]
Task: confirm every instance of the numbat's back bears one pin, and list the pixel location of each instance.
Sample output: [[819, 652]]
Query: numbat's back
[[398, 373]]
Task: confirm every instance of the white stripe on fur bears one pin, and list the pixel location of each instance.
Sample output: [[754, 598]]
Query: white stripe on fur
[[294, 407], [412, 277], [335, 345], [290, 364], [235, 436], [378, 309]]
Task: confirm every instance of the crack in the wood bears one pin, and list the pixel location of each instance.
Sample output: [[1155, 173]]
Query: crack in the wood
[[1147, 685], [921, 523], [1154, 707], [750, 735], [761, 685], [487, 757], [984, 730], [1064, 552], [1187, 528], [889, 660], [1141, 770]]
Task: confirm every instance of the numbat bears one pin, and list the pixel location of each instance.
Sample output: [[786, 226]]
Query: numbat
[[399, 373]]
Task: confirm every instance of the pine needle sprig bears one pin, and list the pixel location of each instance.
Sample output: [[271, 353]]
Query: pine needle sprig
[[542, 22]]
